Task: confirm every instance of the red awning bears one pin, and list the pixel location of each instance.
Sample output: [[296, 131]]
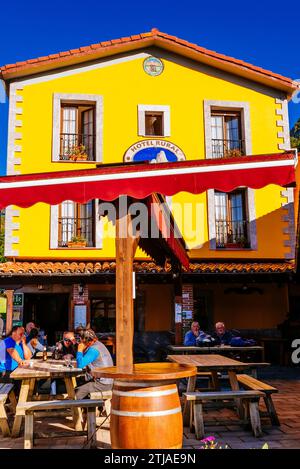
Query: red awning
[[140, 180], [170, 243]]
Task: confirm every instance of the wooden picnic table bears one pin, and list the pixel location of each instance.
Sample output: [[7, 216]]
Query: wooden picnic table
[[213, 364], [54, 369], [219, 349]]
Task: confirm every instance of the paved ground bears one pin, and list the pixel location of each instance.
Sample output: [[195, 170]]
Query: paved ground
[[287, 403]]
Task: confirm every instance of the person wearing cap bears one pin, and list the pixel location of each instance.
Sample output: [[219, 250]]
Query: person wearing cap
[[67, 347], [92, 354]]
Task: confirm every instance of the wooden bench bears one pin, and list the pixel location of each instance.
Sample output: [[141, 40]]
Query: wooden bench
[[198, 398], [253, 384], [6, 392], [29, 408]]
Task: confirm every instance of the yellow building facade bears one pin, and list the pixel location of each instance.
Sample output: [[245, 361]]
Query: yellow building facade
[[100, 102]]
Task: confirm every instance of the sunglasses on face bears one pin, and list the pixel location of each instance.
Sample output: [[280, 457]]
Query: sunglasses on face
[[67, 340]]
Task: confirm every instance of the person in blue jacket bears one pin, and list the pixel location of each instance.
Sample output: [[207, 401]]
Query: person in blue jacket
[[92, 354], [17, 351], [195, 336]]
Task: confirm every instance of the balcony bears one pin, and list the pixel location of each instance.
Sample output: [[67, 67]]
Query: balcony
[[232, 234], [227, 148], [76, 231], [77, 147]]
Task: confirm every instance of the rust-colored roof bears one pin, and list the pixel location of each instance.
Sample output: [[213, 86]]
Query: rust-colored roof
[[139, 41], [52, 268]]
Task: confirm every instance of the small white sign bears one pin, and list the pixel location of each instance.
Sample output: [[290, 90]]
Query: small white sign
[[79, 316]]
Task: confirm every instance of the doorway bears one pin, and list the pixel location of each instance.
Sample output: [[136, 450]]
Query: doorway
[[49, 311]]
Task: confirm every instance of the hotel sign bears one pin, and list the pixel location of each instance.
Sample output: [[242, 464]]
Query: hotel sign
[[155, 151]]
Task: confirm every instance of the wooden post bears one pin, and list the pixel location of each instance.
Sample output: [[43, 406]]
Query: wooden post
[[126, 245], [9, 310]]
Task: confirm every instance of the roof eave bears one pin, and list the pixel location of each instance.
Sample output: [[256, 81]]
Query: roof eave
[[85, 55]]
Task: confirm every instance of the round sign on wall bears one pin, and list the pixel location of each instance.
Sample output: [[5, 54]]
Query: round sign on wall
[[155, 151], [153, 66]]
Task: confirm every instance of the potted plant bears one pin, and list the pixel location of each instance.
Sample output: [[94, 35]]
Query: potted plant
[[239, 242], [76, 242], [234, 153], [77, 153]]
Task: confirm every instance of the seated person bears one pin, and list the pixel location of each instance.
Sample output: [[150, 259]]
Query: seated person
[[221, 335], [16, 349], [33, 343], [92, 354], [67, 347], [2, 357], [31, 334], [195, 336]]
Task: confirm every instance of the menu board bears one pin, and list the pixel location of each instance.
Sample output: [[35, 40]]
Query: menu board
[[80, 312]]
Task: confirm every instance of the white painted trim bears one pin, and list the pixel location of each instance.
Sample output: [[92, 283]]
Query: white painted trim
[[250, 201], [10, 212], [10, 225], [211, 212], [284, 132], [145, 174], [157, 413], [142, 108], [250, 208], [289, 218], [167, 392], [54, 228], [48, 76], [58, 98], [244, 107]]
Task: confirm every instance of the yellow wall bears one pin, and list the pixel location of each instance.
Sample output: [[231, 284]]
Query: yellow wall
[[124, 86]]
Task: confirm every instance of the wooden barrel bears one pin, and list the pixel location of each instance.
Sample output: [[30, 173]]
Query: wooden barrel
[[145, 415]]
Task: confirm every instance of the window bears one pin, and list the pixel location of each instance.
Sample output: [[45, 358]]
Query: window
[[232, 225], [154, 120], [77, 132], [226, 134], [76, 221], [77, 137], [103, 314], [154, 123]]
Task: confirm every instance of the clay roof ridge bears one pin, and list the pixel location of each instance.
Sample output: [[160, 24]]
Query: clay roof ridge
[[154, 34]]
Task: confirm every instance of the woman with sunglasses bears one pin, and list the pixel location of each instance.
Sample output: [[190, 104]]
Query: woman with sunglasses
[[67, 347]]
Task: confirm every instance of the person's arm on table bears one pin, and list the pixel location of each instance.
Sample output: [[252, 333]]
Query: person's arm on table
[[26, 349]]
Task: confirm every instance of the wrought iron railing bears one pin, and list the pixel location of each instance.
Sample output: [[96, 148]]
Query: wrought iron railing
[[77, 147], [232, 234], [227, 148], [80, 228]]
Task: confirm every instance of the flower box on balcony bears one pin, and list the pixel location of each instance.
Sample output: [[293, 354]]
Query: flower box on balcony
[[78, 157], [77, 245], [77, 242]]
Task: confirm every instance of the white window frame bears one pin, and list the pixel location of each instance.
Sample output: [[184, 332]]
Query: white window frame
[[143, 108], [244, 108], [54, 229], [66, 98]]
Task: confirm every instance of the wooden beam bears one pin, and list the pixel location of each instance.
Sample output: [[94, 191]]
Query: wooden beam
[[9, 310], [126, 244]]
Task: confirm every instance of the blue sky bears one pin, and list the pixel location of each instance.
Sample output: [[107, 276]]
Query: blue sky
[[259, 33]]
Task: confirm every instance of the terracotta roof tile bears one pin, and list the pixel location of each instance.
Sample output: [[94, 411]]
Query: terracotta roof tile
[[59, 58], [8, 269]]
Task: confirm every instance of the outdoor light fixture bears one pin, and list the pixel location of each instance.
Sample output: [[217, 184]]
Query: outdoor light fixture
[[81, 289]]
